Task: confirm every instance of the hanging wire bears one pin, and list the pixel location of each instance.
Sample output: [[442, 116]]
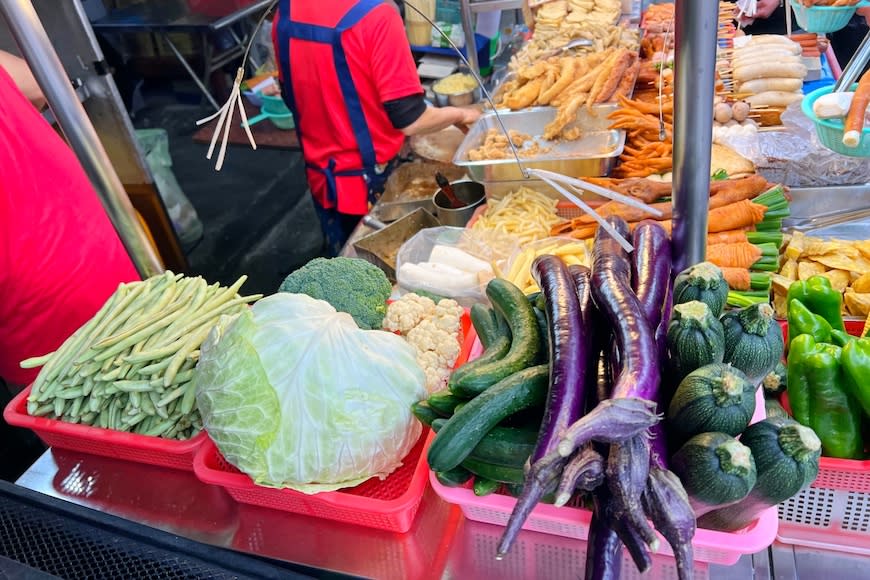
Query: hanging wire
[[224, 115]]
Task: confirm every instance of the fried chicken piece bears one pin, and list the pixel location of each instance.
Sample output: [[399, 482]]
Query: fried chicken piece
[[567, 114], [567, 74], [525, 96]]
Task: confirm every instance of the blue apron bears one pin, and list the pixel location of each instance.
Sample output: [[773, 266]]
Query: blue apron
[[374, 175]]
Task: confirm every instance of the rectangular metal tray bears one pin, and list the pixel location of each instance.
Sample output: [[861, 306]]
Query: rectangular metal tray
[[831, 212], [380, 248], [404, 189], [594, 154]]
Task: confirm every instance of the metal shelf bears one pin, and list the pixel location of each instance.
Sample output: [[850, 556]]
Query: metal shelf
[[470, 8]]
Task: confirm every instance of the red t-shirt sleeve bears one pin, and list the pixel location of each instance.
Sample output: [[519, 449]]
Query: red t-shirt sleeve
[[392, 64]]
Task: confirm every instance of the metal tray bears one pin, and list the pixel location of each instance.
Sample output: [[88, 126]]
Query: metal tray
[[831, 212], [594, 154], [380, 248], [408, 189]]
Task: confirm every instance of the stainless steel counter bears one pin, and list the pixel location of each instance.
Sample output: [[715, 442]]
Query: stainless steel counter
[[441, 543]]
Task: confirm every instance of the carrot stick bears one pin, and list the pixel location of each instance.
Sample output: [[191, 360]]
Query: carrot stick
[[737, 278], [734, 216], [855, 118], [729, 237], [740, 255]]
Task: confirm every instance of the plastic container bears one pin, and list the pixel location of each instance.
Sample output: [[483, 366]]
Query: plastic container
[[104, 442], [830, 131], [823, 19], [834, 512], [389, 505], [572, 521]]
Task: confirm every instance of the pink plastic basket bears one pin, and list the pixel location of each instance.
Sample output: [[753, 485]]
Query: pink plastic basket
[[573, 522], [834, 512], [390, 504], [104, 442]]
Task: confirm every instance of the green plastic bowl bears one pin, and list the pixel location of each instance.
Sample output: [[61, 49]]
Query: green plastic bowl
[[284, 122], [273, 105], [830, 131], [823, 19]]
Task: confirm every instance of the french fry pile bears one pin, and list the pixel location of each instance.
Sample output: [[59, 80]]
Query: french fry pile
[[645, 153], [524, 214], [845, 263], [131, 367], [520, 268], [569, 83]]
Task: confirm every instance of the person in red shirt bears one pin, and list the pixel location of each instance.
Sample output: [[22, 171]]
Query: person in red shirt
[[60, 257], [349, 78]]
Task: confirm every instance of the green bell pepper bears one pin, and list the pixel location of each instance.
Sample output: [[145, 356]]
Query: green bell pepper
[[821, 397], [802, 321], [841, 338], [856, 363], [817, 294]]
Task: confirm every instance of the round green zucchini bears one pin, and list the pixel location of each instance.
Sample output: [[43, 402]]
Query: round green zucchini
[[715, 397], [695, 338], [753, 340]]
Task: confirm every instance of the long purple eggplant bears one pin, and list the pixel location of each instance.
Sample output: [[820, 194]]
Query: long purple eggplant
[[584, 471], [631, 410], [569, 355], [604, 548], [666, 503], [651, 268]]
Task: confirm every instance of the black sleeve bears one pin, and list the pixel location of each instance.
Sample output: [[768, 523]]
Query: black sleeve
[[405, 111]]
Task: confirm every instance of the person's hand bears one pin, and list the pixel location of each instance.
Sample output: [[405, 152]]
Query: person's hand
[[763, 9], [470, 115]]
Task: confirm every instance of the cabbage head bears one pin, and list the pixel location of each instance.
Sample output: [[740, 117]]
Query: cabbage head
[[295, 395]]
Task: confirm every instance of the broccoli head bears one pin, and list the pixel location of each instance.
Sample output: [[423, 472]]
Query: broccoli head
[[350, 285]]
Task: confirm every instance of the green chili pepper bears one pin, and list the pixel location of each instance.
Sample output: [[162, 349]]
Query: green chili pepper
[[856, 363], [802, 321], [820, 395], [820, 298]]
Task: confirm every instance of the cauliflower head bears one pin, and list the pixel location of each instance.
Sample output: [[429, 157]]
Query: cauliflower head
[[350, 285]]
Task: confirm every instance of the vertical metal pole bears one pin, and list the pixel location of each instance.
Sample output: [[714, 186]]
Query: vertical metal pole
[[55, 84], [470, 39], [694, 67]]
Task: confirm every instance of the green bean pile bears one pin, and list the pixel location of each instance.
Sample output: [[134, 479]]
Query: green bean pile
[[130, 367]]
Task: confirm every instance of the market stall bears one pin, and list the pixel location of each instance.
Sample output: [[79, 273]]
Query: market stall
[[618, 332]]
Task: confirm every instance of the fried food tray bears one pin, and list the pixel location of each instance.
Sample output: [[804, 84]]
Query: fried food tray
[[592, 155]]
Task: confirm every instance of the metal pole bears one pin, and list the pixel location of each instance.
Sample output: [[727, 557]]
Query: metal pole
[[468, 30], [694, 66], [55, 84]]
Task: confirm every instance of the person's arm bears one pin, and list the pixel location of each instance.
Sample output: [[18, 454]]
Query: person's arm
[[412, 116], [20, 73]]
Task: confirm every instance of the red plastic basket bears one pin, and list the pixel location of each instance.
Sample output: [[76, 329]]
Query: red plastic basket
[[389, 505], [104, 442]]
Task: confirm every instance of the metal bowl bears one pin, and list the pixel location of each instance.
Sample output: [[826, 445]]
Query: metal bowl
[[457, 99]]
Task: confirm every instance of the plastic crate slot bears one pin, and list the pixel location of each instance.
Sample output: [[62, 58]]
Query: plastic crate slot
[[856, 517]]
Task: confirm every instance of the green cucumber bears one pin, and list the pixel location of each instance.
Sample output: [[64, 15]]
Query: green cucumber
[[469, 425], [498, 473], [475, 377], [453, 477], [425, 414], [507, 446], [443, 403], [541, 318], [485, 324], [483, 486]]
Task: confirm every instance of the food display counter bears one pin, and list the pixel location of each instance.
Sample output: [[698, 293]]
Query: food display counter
[[557, 370]]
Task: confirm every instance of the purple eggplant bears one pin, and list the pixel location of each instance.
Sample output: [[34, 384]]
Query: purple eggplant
[[569, 356], [651, 268], [583, 472], [627, 474], [604, 548], [666, 503]]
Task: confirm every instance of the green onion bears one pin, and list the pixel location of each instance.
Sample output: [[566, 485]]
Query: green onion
[[719, 175], [759, 281], [764, 237], [741, 300]]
